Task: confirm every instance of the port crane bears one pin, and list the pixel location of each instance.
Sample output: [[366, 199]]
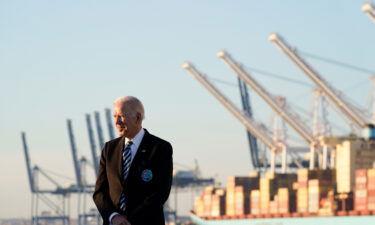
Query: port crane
[[85, 189], [60, 209], [350, 111], [256, 129], [369, 9], [282, 109]]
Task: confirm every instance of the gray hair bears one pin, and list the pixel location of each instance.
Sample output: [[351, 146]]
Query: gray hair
[[135, 104]]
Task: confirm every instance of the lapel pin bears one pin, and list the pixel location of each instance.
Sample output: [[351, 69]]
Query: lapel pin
[[147, 175]]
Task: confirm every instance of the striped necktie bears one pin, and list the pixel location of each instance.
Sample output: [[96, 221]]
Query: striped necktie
[[126, 161]]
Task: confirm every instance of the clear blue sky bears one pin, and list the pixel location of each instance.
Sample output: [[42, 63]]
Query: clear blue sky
[[62, 59]]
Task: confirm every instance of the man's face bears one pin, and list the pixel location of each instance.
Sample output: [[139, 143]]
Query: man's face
[[126, 123]]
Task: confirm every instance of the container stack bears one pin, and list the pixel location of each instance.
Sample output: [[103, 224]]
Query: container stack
[[238, 194], [274, 206], [351, 156], [207, 200], [360, 193], [199, 206], [328, 205], [371, 189], [255, 202], [303, 176], [317, 189], [286, 200], [218, 203], [267, 191]]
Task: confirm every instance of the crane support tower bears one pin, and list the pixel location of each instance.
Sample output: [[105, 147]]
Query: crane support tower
[[246, 106]]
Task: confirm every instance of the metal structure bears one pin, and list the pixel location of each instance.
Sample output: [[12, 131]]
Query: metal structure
[[74, 154], [256, 129], [369, 9], [185, 180], [320, 125], [90, 131], [334, 95], [246, 106], [99, 129], [85, 189], [60, 209], [282, 109], [108, 116]]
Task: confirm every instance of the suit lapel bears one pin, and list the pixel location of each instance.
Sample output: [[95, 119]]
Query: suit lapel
[[118, 159]]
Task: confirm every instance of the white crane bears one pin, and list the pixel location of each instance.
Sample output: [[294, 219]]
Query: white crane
[[334, 95], [255, 128], [369, 9], [283, 110]]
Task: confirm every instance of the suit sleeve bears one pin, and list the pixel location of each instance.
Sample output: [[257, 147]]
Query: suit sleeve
[[161, 193], [101, 194]]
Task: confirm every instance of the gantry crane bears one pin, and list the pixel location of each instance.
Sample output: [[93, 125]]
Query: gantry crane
[[60, 209], [369, 9], [84, 188], [256, 129], [334, 95], [283, 110]]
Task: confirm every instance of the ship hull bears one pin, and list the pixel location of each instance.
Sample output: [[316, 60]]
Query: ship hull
[[334, 220]]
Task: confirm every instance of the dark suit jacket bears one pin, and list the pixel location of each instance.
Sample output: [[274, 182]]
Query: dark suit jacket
[[144, 199]]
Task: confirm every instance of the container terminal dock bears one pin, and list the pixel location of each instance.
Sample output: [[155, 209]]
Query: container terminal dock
[[329, 181], [336, 187]]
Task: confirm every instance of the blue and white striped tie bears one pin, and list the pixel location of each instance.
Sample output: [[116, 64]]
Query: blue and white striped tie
[[126, 160]]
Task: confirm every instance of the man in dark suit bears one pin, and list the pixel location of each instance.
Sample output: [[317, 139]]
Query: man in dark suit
[[135, 173]]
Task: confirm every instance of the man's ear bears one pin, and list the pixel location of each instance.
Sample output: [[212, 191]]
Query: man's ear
[[139, 117]]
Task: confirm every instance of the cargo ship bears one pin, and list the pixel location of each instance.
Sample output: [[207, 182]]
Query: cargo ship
[[344, 195]]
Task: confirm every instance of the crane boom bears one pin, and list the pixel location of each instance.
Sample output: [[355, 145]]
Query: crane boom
[[369, 9], [349, 110], [74, 153], [252, 126], [92, 144], [285, 112], [28, 163], [109, 124], [99, 129]]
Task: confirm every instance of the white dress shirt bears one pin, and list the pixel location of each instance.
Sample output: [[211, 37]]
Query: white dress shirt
[[133, 148]]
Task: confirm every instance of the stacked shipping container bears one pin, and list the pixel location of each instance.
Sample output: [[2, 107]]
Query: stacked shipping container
[[309, 192]]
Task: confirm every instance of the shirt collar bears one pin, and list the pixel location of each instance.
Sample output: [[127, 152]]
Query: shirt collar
[[137, 138]]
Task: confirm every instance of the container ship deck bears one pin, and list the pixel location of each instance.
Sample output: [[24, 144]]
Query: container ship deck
[[339, 220], [341, 195]]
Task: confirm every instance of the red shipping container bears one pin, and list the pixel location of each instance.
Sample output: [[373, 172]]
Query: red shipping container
[[362, 172], [360, 200], [371, 184], [361, 186]]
